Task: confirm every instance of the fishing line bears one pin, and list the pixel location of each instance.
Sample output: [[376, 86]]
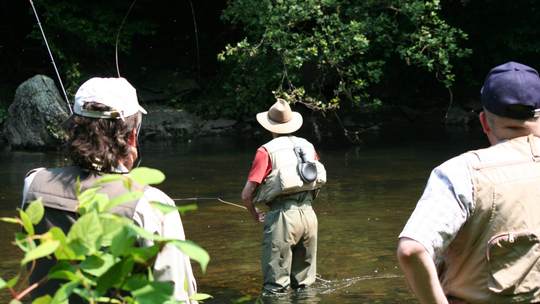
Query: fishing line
[[210, 198], [51, 56], [118, 36]]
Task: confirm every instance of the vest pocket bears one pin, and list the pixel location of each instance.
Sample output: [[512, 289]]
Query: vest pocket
[[513, 261]]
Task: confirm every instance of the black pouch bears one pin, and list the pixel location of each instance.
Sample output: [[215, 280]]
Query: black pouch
[[306, 169]]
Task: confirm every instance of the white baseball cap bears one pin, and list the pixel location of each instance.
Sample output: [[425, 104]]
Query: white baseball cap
[[116, 93]]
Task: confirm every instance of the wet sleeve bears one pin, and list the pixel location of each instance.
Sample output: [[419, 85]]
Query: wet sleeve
[[260, 167], [444, 207], [171, 264]]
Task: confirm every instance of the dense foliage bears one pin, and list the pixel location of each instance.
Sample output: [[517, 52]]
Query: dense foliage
[[324, 53], [98, 259], [83, 32]]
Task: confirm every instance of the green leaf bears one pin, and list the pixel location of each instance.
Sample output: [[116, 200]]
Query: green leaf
[[143, 255], [11, 220], [112, 226], [97, 265], [3, 283], [154, 292], [27, 223], [124, 198], [194, 251], [135, 282], [147, 176], [200, 297], [123, 242], [187, 208], [63, 270], [46, 299], [24, 242], [44, 249], [64, 251], [109, 178], [164, 208], [144, 233], [15, 302], [12, 282], [86, 231], [115, 275], [61, 296], [35, 211]]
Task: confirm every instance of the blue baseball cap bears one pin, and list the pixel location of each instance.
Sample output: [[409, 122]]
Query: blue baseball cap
[[512, 90]]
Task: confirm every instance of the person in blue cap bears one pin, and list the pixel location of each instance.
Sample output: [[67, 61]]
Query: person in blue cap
[[474, 236]]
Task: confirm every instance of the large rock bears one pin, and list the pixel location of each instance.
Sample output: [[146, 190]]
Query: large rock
[[168, 123], [36, 114]]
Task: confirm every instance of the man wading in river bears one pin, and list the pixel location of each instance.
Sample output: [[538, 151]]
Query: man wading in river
[[289, 248], [474, 236], [103, 132]]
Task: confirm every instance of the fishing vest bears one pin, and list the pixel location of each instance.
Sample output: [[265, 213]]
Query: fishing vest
[[495, 257], [56, 188], [284, 177]]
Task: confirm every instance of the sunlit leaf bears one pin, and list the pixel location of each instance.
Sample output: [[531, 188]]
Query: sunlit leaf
[[144, 254], [164, 208], [123, 242], [3, 283], [27, 223], [145, 234], [109, 178], [194, 251], [87, 231], [147, 176], [187, 208], [46, 299], [11, 220], [64, 251], [14, 301], [124, 198], [200, 297], [35, 211], [154, 292], [12, 282], [43, 250]]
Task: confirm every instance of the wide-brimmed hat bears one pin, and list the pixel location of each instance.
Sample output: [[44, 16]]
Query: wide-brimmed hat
[[116, 93], [280, 119], [512, 90]]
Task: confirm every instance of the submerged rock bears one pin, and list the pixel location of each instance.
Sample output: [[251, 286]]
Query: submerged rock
[[36, 114]]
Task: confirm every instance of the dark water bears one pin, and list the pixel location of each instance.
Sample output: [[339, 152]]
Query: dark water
[[370, 193]]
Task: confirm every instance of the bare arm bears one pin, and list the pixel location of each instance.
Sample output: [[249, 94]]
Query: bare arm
[[420, 271], [247, 198]]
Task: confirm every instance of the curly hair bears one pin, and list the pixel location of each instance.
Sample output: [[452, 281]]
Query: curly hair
[[99, 144]]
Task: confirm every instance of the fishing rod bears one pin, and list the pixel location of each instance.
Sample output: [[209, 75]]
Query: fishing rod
[[51, 56], [118, 36], [210, 198]]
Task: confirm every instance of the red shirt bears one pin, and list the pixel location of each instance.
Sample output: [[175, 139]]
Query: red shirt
[[262, 166]]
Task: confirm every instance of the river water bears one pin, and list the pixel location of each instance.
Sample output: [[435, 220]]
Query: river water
[[371, 190]]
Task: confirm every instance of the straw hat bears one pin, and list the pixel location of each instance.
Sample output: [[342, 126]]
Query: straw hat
[[280, 119]]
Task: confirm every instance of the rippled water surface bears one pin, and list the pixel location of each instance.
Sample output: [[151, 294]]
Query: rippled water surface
[[371, 191]]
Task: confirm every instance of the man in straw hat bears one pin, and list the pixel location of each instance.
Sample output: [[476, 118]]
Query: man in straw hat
[[289, 247], [474, 236], [103, 139]]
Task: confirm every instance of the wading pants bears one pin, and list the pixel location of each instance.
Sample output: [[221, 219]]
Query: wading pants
[[289, 249]]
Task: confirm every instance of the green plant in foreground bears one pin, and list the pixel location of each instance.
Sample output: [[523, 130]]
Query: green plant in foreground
[[99, 259]]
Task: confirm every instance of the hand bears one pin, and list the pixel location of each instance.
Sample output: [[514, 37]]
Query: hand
[[257, 214]]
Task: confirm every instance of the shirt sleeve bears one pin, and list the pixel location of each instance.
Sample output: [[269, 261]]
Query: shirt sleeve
[[171, 264], [444, 207], [261, 166], [27, 182]]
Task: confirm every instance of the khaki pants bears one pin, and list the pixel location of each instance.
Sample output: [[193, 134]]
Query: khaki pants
[[289, 249]]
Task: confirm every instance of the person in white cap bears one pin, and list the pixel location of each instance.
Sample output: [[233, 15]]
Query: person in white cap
[[289, 249], [102, 138]]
